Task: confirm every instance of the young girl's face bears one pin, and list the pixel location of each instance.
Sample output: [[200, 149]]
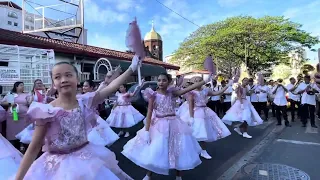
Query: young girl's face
[[64, 79], [122, 89], [20, 88], [86, 87], [163, 82]]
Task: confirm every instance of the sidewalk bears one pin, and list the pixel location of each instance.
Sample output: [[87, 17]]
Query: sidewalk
[[290, 155]]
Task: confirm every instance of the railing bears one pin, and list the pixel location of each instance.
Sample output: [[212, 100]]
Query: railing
[[84, 76]]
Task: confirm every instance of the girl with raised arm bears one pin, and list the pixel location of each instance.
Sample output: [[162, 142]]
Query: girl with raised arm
[[242, 111], [123, 114], [63, 126], [206, 125], [166, 142]]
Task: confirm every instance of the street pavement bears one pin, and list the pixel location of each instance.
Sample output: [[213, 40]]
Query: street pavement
[[224, 154], [291, 155]]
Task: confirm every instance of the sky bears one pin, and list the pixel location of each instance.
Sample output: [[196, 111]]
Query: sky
[[107, 20]]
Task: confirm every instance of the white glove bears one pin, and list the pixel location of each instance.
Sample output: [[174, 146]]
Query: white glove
[[208, 79], [135, 63], [242, 106], [230, 83], [191, 121], [146, 136]]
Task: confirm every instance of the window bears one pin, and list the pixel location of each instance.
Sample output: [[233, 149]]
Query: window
[[15, 24], [32, 28], [26, 27], [29, 19], [9, 23], [13, 15]]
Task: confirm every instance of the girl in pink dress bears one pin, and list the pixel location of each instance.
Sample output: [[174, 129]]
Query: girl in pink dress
[[123, 114], [242, 111], [102, 134], [63, 126], [166, 142], [38, 94], [16, 100], [206, 125]]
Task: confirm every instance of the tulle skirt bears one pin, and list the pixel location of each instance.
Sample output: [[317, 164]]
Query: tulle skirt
[[25, 135], [90, 162], [248, 114], [172, 147], [207, 125], [102, 134], [9, 159], [124, 117]]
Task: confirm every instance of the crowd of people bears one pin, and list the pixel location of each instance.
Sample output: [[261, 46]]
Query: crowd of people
[[67, 126]]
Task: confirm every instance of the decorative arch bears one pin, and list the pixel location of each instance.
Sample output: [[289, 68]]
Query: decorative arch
[[101, 62]]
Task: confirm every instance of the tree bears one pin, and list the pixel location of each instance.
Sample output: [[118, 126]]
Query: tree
[[282, 71], [260, 43]]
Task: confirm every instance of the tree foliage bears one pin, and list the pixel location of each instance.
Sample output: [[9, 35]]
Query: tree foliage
[[282, 71], [260, 43]]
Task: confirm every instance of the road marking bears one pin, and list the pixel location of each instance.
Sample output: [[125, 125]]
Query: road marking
[[263, 173], [252, 154], [298, 142], [311, 130]]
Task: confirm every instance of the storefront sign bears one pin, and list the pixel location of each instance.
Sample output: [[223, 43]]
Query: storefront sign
[[9, 75]]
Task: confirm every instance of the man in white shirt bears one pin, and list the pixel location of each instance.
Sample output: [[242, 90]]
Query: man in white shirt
[[308, 101], [294, 97], [214, 102], [271, 98], [253, 96], [226, 97], [281, 102], [262, 92]]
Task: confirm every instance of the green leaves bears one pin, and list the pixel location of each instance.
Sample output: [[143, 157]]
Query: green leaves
[[261, 43]]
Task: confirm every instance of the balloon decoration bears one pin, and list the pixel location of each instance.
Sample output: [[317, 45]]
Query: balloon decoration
[[209, 65], [134, 43]]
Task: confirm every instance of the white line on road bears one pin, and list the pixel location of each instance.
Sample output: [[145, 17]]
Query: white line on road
[[311, 130], [298, 142]]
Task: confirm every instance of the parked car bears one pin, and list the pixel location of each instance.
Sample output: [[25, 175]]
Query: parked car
[[137, 100]]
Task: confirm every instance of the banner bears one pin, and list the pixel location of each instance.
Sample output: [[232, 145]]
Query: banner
[[9, 75]]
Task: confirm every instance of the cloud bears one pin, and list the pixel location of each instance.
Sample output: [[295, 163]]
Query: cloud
[[127, 5], [109, 42], [96, 14], [230, 3], [309, 8]]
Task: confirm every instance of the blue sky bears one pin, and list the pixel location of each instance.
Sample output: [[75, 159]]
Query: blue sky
[[107, 20]]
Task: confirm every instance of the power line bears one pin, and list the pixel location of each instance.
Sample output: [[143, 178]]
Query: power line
[[177, 13]]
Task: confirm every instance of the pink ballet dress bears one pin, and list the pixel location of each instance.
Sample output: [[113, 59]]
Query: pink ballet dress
[[10, 159], [207, 125], [68, 154], [3, 117], [124, 115], [237, 114], [172, 145]]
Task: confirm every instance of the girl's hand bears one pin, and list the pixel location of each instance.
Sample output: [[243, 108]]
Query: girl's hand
[[208, 79], [136, 62]]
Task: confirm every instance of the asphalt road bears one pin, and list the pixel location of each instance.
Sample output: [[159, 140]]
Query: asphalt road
[[224, 153]]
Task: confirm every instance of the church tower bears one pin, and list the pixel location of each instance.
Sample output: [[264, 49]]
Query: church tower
[[153, 44]]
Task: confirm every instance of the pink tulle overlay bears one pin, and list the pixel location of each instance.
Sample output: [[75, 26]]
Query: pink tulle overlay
[[134, 41], [124, 117], [90, 162], [10, 159], [207, 126], [172, 147], [209, 65], [248, 114]]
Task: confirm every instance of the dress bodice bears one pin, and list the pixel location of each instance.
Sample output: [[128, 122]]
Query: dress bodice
[[123, 99], [200, 97], [67, 130]]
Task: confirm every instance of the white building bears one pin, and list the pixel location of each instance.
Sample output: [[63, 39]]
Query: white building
[[11, 19]]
